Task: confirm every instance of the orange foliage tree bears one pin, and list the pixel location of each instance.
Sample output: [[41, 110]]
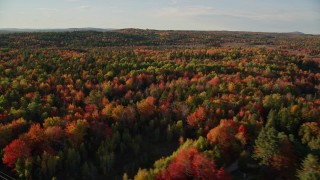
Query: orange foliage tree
[[147, 107], [76, 131]]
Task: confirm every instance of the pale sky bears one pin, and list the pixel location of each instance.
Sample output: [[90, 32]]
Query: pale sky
[[235, 15]]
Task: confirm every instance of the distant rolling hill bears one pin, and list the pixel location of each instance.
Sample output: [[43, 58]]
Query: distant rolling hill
[[18, 30], [296, 32], [127, 30]]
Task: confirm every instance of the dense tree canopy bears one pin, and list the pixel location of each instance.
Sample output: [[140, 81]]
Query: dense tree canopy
[[196, 105]]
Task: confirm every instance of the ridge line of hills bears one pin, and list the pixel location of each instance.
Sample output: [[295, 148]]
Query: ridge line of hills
[[26, 30], [90, 37]]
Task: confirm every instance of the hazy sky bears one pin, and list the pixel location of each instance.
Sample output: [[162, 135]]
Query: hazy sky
[[244, 15]]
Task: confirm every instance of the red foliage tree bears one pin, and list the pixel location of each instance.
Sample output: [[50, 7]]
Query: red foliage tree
[[196, 117], [15, 150], [164, 108], [191, 163], [242, 134], [214, 81]]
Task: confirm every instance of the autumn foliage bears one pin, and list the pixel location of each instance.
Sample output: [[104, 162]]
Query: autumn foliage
[[146, 107], [101, 105], [224, 135], [196, 117], [191, 163], [15, 150]]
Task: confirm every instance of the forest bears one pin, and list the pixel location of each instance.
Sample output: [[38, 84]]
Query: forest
[[166, 105]]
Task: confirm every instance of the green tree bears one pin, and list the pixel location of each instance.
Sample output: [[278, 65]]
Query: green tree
[[309, 133], [143, 174], [266, 145], [310, 169], [24, 168], [271, 119], [3, 103]]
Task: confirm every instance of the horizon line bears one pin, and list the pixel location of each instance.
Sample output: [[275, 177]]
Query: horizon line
[[112, 29]]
